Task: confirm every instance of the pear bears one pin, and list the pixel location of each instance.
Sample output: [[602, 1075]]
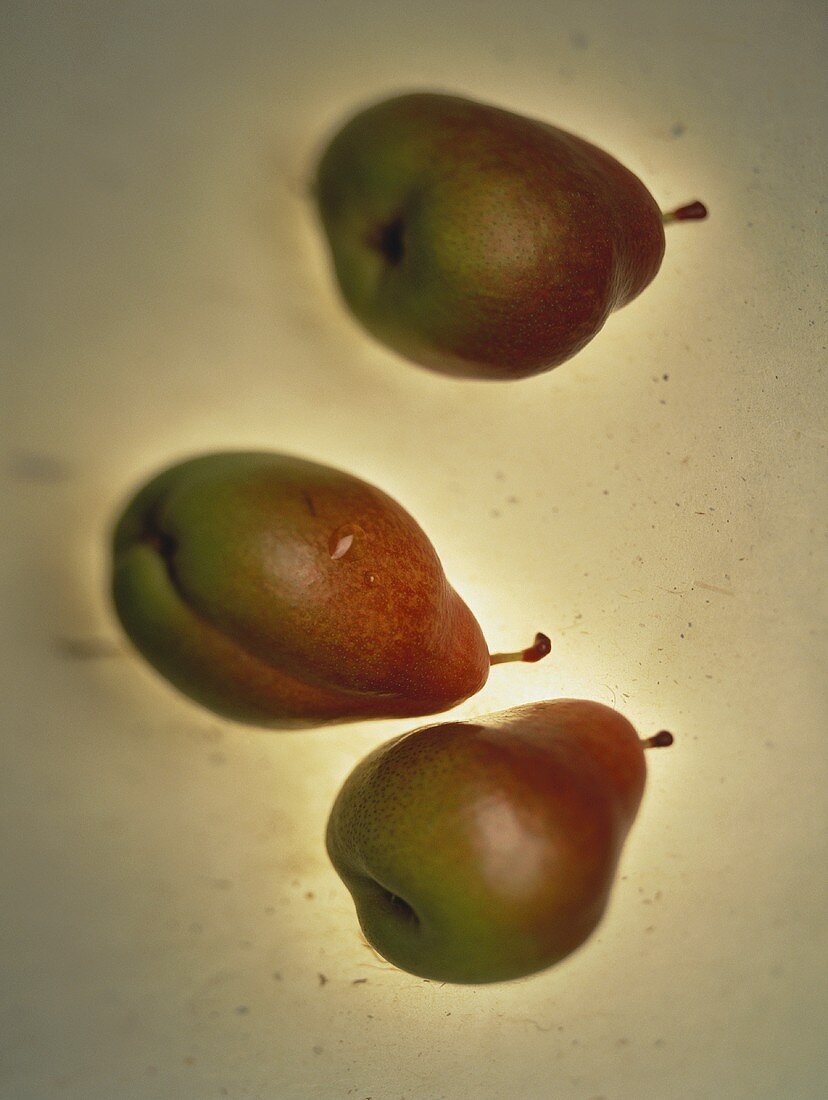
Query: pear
[[279, 592], [485, 851], [480, 243]]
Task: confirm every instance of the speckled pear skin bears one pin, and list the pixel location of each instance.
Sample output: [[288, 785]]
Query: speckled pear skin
[[485, 851], [279, 592], [480, 243]]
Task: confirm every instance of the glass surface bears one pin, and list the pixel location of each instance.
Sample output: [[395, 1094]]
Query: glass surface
[[171, 926]]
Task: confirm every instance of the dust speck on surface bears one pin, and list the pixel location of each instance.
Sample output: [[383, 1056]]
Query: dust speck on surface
[[677, 129], [242, 1010], [323, 980], [318, 1050], [359, 981]]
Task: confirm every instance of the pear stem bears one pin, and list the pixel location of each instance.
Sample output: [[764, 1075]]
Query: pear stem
[[538, 649], [661, 740], [691, 212]]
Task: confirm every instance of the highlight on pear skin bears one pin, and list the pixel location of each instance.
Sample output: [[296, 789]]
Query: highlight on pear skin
[[279, 592], [485, 851], [480, 243]]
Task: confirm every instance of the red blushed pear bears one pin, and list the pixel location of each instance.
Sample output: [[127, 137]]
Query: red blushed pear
[[279, 592], [485, 851], [480, 243]]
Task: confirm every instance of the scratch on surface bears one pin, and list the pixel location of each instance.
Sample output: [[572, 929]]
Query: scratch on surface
[[526, 1020], [714, 588]]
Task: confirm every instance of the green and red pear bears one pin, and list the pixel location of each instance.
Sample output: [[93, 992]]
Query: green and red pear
[[485, 851], [280, 592], [481, 243]]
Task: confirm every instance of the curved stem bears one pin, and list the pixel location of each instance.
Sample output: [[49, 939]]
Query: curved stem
[[538, 649], [661, 740], [691, 212]]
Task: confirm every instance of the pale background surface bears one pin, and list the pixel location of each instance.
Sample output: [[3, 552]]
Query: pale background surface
[[172, 928]]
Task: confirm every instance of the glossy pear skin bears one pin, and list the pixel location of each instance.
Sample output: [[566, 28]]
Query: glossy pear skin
[[279, 592], [478, 242], [485, 851]]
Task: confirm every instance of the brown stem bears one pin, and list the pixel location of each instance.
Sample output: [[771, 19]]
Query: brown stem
[[660, 740], [538, 649], [691, 212]]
